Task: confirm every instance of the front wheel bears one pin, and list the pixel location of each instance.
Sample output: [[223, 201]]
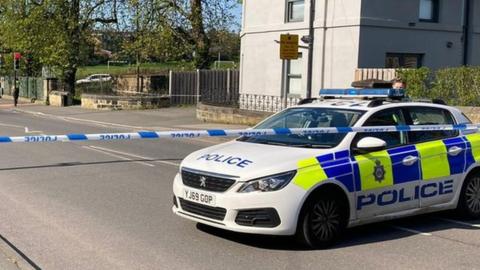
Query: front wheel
[[322, 221], [469, 203]]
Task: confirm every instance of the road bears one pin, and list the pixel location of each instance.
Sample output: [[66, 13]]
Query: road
[[107, 205]]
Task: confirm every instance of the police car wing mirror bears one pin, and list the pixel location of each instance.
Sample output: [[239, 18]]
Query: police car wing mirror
[[370, 144]]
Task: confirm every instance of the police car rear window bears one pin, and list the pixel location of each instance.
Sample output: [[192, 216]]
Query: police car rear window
[[430, 116], [306, 118]]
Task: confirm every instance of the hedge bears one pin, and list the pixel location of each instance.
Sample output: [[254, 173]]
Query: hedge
[[456, 86]]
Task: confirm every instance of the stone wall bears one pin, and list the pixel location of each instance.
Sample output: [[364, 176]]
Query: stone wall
[[227, 115], [59, 99], [157, 83], [104, 102]]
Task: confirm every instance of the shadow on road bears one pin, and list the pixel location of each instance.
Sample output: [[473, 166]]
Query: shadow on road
[[372, 233], [74, 164]]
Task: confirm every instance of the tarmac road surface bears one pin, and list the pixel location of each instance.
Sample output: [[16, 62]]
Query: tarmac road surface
[[107, 205]]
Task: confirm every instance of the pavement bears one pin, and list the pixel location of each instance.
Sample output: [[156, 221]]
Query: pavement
[[107, 205]]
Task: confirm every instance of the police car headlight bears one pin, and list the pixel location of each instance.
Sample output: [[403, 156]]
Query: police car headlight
[[269, 183]]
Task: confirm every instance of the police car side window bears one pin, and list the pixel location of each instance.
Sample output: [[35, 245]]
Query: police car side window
[[389, 117], [430, 116]]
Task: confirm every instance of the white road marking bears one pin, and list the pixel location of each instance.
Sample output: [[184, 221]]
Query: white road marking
[[411, 231], [118, 156], [27, 130], [10, 125], [133, 155], [459, 222]]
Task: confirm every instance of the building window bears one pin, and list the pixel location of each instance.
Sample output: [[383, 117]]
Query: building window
[[294, 76], [403, 60], [429, 10], [295, 10]]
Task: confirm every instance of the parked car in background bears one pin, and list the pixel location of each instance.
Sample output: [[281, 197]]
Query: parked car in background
[[95, 78]]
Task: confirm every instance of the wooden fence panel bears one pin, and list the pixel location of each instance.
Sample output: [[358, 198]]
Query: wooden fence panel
[[216, 87], [183, 87], [386, 74]]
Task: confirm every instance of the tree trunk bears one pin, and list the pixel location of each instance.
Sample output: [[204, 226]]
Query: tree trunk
[[69, 80], [202, 42], [73, 32]]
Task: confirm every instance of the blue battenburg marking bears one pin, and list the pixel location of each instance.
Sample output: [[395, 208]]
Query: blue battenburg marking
[[402, 149], [403, 128], [469, 159], [401, 172], [342, 154], [5, 140], [77, 137], [457, 163], [452, 141], [356, 174], [216, 132], [337, 166], [325, 158], [148, 134], [344, 130], [347, 181], [282, 131]]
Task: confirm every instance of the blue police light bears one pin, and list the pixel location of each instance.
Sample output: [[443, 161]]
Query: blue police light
[[363, 93]]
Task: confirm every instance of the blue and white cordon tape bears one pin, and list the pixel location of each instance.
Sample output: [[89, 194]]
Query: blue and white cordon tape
[[189, 134]]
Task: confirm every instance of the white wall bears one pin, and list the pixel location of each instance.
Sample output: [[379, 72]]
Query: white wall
[[264, 21]]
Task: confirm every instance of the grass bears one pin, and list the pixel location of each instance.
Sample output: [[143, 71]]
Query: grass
[[131, 69]]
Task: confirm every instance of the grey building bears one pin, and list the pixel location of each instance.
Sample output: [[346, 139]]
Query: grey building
[[351, 34]]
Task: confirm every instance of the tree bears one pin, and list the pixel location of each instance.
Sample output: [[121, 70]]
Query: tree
[[54, 31], [176, 28]]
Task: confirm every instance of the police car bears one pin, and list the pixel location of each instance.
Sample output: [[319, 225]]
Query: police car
[[316, 185]]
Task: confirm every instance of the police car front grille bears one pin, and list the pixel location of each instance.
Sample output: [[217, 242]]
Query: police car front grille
[[206, 182], [216, 213]]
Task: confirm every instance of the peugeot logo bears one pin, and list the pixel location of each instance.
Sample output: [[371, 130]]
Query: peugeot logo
[[203, 181]]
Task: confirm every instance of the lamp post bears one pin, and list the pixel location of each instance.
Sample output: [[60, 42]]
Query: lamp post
[[311, 33]]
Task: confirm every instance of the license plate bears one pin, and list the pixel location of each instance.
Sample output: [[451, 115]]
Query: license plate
[[199, 197]]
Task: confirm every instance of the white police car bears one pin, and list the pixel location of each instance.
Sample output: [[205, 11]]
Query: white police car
[[314, 185]]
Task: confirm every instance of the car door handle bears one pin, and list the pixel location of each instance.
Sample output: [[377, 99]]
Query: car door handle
[[455, 150], [409, 160]]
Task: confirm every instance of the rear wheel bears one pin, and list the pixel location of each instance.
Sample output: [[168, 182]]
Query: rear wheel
[[323, 220], [469, 203]]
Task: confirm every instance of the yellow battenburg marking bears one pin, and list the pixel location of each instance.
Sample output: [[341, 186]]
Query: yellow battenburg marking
[[474, 140], [367, 164], [434, 159], [309, 173]]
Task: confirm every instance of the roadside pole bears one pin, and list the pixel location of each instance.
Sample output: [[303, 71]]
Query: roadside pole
[[288, 51], [311, 33]]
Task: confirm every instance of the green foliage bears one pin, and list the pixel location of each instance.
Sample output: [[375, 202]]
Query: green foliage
[[417, 81], [456, 86]]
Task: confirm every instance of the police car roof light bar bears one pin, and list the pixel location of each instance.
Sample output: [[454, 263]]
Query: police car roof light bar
[[366, 93]]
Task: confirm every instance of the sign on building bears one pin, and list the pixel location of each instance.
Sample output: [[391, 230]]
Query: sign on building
[[288, 47]]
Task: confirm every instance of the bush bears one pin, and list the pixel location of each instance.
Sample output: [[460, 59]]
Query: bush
[[456, 86], [417, 80]]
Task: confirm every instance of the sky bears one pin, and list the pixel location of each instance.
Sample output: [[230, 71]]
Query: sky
[[238, 15]]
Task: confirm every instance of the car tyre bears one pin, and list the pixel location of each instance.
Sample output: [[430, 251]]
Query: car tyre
[[469, 203], [323, 220]]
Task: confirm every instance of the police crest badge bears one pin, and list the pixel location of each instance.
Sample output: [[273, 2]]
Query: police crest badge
[[378, 171]]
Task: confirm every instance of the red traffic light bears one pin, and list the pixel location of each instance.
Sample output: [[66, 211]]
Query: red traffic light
[[17, 55]]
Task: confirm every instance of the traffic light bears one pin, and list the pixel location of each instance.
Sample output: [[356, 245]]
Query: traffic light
[[16, 64], [16, 60]]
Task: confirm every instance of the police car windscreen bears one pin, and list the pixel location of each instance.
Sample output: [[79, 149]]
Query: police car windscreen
[[306, 118]]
